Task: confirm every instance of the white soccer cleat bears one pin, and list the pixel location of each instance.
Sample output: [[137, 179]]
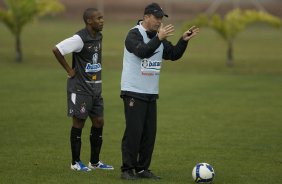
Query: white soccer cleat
[[100, 165], [79, 166]]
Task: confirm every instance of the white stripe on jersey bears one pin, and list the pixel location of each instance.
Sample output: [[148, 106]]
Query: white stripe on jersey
[[95, 82]]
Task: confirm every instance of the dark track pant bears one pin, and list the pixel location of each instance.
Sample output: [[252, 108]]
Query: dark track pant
[[140, 133]]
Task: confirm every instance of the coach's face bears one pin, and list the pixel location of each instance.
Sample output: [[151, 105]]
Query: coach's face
[[152, 23], [96, 21]]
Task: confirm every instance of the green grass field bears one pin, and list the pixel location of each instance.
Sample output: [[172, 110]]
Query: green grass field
[[228, 117]]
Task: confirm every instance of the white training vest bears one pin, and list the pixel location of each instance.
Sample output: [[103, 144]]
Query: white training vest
[[141, 75]]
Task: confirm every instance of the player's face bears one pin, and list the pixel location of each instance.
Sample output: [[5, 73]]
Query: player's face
[[153, 23], [96, 21]]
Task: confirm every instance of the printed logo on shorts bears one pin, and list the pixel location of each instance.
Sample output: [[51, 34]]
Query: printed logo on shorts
[[83, 108], [131, 102]]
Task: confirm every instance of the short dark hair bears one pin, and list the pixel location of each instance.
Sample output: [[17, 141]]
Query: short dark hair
[[154, 9], [88, 13]]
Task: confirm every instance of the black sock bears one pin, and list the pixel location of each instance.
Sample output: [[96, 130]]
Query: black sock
[[75, 139], [95, 143]]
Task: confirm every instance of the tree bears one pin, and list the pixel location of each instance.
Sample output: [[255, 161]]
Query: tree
[[233, 23], [21, 12]]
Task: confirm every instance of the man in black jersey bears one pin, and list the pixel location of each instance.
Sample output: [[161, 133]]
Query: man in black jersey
[[84, 87]]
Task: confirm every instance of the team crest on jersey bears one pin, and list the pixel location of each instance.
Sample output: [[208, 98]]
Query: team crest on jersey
[[94, 66], [96, 48]]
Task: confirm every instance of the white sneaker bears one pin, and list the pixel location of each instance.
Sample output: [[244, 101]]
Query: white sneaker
[[100, 165], [79, 166]]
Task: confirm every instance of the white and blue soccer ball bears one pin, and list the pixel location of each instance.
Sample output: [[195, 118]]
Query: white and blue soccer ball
[[203, 173]]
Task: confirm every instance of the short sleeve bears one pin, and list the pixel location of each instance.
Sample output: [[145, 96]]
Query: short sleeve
[[69, 45]]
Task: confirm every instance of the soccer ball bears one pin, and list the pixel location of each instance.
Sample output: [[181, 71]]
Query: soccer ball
[[203, 173]]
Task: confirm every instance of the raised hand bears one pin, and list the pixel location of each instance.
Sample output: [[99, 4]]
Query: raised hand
[[193, 31], [165, 31]]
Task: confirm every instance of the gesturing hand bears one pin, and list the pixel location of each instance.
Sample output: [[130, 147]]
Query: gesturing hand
[[165, 31], [193, 31]]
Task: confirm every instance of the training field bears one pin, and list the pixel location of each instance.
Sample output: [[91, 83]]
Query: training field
[[228, 117]]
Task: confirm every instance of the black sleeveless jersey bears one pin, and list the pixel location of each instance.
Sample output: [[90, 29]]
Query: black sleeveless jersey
[[88, 66]]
